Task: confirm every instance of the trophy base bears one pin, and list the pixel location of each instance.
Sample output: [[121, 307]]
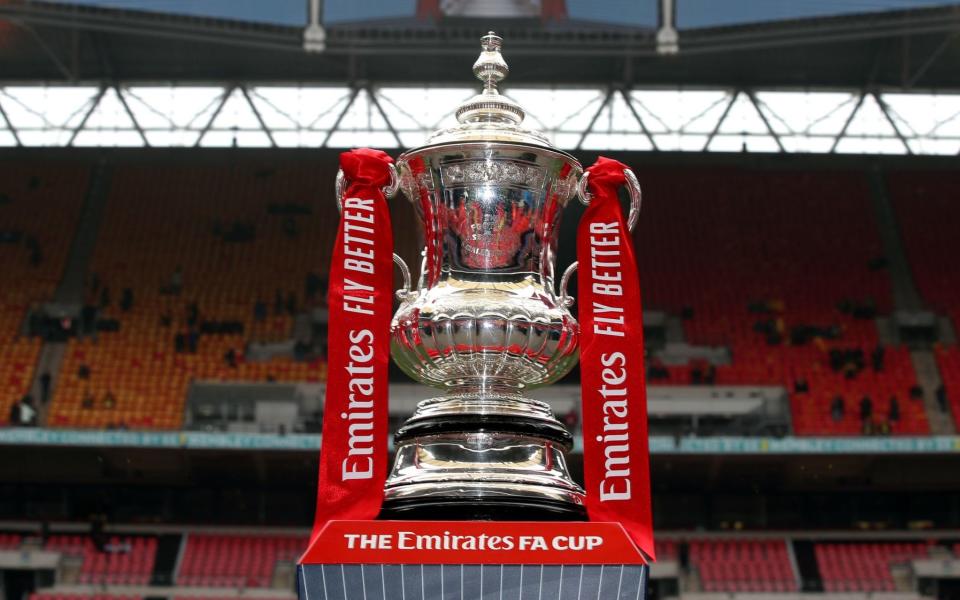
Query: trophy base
[[485, 475]]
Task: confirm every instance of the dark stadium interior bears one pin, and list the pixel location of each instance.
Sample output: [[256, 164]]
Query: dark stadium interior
[[163, 314]]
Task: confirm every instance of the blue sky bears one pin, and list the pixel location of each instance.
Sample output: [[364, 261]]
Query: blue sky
[[690, 13]]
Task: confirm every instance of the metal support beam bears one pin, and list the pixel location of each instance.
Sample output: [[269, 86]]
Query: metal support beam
[[886, 113], [130, 114], [343, 113], [846, 123], [227, 92], [253, 107], [67, 74], [386, 119], [593, 120], [756, 105], [13, 130], [723, 117], [102, 50], [636, 115], [934, 56], [86, 117]]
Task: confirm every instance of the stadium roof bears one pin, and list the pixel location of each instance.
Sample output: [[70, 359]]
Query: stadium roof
[[585, 118], [46, 41]]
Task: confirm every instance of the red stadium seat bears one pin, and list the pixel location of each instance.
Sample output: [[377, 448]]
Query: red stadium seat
[[743, 565]]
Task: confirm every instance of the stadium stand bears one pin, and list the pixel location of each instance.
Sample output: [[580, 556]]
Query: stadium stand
[[10, 541], [743, 566], [229, 236], [221, 229], [863, 567], [39, 206], [777, 267], [259, 565], [156, 225], [235, 561], [232, 236], [123, 560]]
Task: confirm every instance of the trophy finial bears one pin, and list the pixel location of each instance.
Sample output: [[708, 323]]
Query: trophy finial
[[490, 67], [490, 106], [489, 115]]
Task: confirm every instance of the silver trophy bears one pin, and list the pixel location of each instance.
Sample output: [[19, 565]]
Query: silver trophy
[[485, 323]]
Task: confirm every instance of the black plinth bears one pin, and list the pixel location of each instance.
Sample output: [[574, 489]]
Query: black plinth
[[471, 582]]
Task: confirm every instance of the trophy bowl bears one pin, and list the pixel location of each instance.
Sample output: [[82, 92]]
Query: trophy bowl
[[486, 315]]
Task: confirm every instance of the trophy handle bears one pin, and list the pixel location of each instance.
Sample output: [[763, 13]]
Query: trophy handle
[[389, 191], [405, 294], [566, 300], [636, 199], [633, 187]]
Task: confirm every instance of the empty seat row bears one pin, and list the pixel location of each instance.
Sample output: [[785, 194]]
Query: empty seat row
[[122, 560], [235, 561], [863, 567], [743, 565]]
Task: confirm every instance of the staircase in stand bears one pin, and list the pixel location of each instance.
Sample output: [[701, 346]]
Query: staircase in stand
[[807, 569], [928, 376], [905, 294], [72, 284]]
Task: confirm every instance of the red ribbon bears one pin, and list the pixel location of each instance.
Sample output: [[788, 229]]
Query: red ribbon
[[353, 457], [616, 455]]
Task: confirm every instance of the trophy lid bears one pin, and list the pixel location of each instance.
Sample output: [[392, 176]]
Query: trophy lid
[[490, 116]]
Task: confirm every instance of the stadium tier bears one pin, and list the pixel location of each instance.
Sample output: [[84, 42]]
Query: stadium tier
[[192, 264], [777, 266], [258, 565], [39, 208], [198, 248]]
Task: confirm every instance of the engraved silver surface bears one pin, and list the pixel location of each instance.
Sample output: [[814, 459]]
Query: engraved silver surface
[[486, 323]]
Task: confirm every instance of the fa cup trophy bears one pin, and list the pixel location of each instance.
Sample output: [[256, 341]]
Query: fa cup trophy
[[486, 324], [481, 467]]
